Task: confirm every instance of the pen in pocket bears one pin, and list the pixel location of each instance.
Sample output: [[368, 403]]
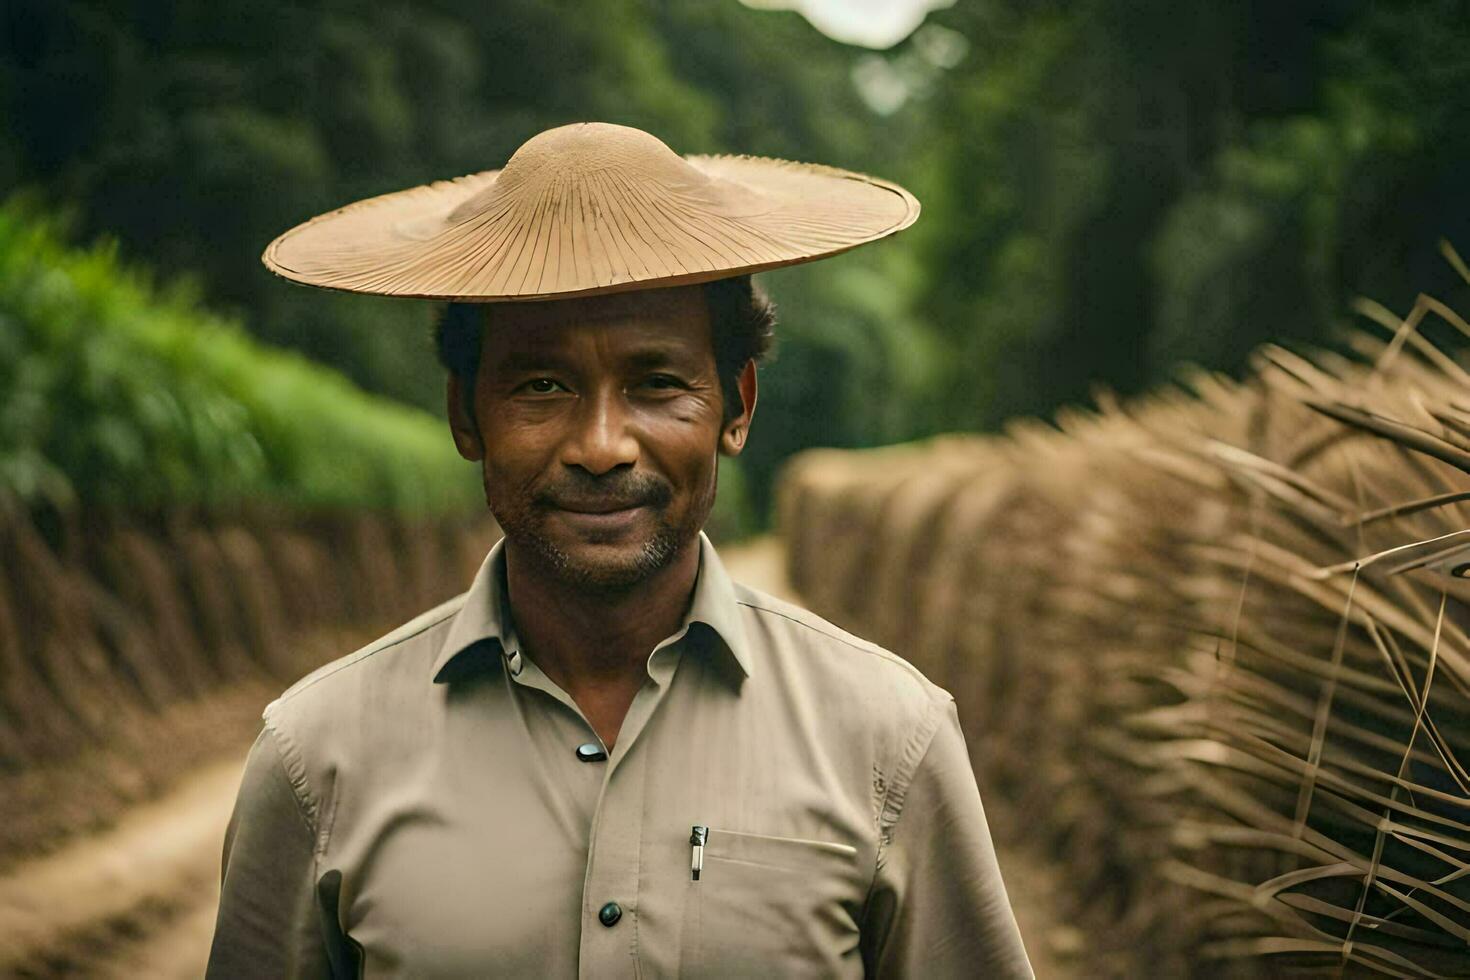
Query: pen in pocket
[[697, 841]]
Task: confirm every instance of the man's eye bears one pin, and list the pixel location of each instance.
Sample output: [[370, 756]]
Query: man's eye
[[543, 386], [664, 381]]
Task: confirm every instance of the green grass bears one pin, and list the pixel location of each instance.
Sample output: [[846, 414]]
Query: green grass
[[122, 393]]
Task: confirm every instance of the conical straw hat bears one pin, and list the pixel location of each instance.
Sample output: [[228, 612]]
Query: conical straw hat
[[590, 208]]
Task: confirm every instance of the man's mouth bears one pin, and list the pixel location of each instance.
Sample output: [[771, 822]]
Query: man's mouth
[[597, 506], [613, 501]]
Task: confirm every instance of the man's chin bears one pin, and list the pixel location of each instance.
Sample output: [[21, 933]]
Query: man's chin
[[607, 558], [605, 568], [605, 576]]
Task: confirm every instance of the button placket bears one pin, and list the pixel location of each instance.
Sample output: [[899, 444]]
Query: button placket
[[614, 852], [614, 861]]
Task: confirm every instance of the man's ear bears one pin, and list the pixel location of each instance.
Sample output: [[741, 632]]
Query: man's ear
[[462, 424], [733, 436]]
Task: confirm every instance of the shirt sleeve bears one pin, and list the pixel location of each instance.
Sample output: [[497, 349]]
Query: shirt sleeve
[[268, 923], [938, 906]]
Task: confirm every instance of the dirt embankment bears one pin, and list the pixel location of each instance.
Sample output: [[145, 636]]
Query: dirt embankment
[[135, 656]]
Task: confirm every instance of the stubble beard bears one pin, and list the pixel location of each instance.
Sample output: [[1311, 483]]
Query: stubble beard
[[602, 577], [524, 525]]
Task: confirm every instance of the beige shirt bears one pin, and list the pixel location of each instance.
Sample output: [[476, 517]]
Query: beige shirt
[[419, 808]]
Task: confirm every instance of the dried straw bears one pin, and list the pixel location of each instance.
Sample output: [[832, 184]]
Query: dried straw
[[1211, 649]]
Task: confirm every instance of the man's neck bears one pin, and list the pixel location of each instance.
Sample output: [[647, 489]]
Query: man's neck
[[593, 644]]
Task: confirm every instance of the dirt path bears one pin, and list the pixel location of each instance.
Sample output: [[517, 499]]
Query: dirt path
[[138, 900], [158, 865]]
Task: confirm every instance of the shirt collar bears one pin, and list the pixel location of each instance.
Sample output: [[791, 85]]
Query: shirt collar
[[485, 613]]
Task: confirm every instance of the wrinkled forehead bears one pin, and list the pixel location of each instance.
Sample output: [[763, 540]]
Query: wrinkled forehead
[[675, 317]]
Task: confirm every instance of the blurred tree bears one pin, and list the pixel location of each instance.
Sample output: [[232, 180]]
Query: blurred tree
[[1147, 182], [1310, 207]]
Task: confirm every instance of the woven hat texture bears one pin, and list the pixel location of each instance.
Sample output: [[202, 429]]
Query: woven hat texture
[[590, 208]]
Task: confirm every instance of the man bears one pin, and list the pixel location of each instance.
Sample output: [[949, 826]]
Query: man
[[606, 759]]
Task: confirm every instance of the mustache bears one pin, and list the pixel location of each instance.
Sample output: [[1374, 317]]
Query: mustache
[[610, 491]]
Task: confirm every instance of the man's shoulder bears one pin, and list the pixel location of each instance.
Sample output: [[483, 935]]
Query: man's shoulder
[[402, 653], [799, 640]]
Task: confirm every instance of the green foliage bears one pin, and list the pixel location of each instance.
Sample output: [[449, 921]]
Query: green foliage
[[126, 395], [1260, 233], [853, 367], [1135, 185], [1309, 209], [733, 516]]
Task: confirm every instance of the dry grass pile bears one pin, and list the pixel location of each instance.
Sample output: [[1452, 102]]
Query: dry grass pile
[[1210, 648], [129, 653]]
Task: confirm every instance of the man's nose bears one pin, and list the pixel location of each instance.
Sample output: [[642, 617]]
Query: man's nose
[[602, 440]]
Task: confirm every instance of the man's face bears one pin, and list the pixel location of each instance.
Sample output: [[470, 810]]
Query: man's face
[[598, 422]]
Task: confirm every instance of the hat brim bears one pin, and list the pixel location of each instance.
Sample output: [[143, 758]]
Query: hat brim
[[464, 240]]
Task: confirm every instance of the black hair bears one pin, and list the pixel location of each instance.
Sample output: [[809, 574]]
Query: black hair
[[742, 321]]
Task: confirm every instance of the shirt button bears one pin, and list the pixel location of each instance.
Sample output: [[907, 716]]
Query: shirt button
[[609, 914], [590, 752]]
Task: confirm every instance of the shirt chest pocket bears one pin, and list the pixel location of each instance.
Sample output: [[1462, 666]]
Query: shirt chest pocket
[[773, 906]]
